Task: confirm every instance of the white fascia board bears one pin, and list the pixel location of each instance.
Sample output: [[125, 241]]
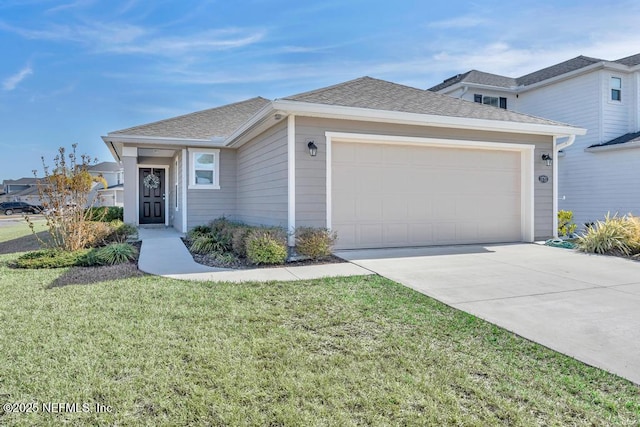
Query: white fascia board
[[372, 115], [113, 150], [561, 77], [511, 89], [157, 140], [256, 120], [615, 147]]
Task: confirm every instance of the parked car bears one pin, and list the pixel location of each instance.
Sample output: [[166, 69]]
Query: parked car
[[10, 208]]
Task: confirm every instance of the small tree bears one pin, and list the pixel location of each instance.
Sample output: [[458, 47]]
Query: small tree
[[65, 193]]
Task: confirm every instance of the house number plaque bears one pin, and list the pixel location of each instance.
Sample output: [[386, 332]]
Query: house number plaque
[[543, 178]]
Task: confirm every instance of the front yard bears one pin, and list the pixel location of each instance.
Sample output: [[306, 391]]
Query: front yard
[[345, 351]]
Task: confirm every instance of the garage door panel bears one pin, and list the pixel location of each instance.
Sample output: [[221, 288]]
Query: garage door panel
[[396, 234], [410, 195]]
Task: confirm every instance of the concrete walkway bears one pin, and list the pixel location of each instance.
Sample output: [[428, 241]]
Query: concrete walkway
[[164, 254], [585, 306]]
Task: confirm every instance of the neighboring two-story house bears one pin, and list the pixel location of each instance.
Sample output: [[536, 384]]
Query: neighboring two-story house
[[600, 172], [113, 173]]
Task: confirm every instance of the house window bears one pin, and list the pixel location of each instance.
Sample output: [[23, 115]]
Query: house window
[[494, 101], [616, 89], [204, 169]]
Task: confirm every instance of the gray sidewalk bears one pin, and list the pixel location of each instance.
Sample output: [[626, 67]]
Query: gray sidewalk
[[164, 254]]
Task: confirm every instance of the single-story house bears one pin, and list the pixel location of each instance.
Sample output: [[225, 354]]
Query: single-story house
[[382, 164]]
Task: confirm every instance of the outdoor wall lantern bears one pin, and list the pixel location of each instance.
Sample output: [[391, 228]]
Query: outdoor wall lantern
[[547, 158], [313, 149]]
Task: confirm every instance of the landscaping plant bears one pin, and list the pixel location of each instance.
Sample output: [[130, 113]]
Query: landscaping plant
[[267, 246], [566, 227], [65, 191], [315, 243], [614, 236], [116, 253]]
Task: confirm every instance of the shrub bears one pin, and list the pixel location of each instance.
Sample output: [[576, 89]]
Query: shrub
[[51, 258], [316, 243], [206, 244], [105, 213], [239, 240], [566, 227], [197, 231], [116, 253], [266, 246], [94, 233], [122, 231], [615, 236], [64, 191]]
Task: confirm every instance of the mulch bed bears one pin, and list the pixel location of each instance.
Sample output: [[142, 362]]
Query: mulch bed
[[243, 263]]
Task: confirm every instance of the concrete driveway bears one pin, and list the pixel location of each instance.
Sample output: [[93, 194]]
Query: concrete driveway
[[585, 306]]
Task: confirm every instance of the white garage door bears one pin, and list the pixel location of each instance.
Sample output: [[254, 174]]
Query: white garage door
[[389, 195]]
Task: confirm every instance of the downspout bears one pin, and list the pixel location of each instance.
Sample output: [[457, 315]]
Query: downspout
[[556, 148]]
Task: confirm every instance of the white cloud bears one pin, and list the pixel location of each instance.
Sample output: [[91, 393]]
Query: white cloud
[[458, 23], [11, 82], [123, 38]]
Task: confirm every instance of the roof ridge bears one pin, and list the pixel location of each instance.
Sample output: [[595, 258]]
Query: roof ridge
[[323, 89], [182, 116]]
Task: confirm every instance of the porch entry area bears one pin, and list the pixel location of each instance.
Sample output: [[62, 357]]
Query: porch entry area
[[152, 194]]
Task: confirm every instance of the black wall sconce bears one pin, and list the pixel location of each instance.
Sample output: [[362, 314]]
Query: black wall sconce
[[313, 149], [547, 158]]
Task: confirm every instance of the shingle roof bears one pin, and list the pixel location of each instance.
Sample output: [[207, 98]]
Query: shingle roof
[[105, 167], [478, 77], [630, 60], [556, 70], [629, 137], [206, 124], [367, 92], [495, 80], [20, 181]]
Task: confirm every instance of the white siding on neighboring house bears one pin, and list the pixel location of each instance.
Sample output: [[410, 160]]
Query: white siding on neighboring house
[[571, 101], [615, 114], [262, 185]]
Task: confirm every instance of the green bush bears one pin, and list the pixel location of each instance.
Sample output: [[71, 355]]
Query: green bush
[[315, 243], [239, 240], [105, 213], [566, 227], [266, 246], [115, 253], [51, 258], [197, 231], [207, 244], [614, 236], [122, 231]]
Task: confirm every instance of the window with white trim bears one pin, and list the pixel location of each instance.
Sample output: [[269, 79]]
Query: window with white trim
[[616, 88], [494, 101], [204, 169], [176, 183]]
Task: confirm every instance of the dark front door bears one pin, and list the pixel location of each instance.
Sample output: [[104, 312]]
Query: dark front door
[[152, 193]]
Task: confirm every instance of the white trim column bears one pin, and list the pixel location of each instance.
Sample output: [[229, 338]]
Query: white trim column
[[291, 161], [185, 181]]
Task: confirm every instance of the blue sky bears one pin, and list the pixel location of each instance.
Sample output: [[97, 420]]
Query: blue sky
[[74, 70]]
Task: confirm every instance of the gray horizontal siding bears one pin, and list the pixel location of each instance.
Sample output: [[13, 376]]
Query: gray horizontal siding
[[311, 171], [206, 205], [262, 179]]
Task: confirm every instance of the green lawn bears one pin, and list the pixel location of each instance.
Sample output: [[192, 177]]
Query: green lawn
[[346, 351]]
